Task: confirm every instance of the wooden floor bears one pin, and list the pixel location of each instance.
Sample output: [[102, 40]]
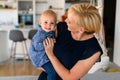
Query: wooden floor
[[18, 68]]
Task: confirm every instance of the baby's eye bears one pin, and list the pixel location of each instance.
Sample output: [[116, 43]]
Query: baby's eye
[[52, 23], [45, 22]]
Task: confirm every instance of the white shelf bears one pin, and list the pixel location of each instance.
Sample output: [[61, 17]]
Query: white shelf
[[41, 2], [41, 5]]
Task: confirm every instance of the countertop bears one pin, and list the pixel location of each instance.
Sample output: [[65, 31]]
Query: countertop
[[7, 27]]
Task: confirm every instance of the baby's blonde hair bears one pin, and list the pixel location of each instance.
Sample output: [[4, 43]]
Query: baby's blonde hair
[[50, 13], [87, 16]]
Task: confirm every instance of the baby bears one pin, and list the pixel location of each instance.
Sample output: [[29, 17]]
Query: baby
[[46, 28]]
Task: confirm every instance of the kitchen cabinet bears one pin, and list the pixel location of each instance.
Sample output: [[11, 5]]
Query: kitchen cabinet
[[3, 45], [8, 16], [5, 42]]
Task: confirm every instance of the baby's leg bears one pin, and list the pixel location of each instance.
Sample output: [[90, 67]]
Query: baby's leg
[[42, 76], [51, 74]]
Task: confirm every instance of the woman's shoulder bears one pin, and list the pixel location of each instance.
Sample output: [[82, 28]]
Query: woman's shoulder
[[62, 25], [92, 46], [92, 42], [61, 28]]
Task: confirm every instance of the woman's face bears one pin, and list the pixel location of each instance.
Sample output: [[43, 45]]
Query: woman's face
[[72, 25]]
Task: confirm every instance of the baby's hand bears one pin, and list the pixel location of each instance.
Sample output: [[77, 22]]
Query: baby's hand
[[54, 40], [40, 68]]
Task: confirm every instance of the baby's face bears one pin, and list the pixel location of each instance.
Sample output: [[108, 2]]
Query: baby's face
[[47, 23]]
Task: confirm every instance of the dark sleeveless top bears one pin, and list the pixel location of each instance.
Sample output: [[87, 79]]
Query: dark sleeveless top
[[69, 51]]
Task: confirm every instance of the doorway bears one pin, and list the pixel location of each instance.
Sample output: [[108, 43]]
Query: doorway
[[109, 24]]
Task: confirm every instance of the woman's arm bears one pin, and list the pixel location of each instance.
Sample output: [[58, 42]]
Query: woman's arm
[[78, 70]]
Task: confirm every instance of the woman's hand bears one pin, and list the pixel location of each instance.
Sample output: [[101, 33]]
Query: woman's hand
[[49, 45]]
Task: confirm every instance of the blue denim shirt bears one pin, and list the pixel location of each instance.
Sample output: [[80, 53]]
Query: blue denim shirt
[[36, 51]]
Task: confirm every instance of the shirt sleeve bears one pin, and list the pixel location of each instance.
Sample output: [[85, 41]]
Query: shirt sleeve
[[61, 27], [91, 51], [38, 42]]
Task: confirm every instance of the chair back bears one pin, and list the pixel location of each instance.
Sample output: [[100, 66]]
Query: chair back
[[31, 33], [16, 35]]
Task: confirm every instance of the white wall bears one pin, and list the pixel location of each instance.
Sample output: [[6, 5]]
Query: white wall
[[116, 56]]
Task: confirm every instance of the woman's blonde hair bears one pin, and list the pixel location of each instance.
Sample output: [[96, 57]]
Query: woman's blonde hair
[[87, 16]]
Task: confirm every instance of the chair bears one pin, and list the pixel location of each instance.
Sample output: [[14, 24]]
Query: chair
[[17, 36], [31, 33]]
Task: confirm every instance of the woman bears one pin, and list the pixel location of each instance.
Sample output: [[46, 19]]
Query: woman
[[76, 48]]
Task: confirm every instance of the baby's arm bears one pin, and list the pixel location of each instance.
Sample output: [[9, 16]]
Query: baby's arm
[[36, 51], [38, 42]]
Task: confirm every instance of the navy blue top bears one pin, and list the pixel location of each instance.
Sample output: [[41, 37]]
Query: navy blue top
[[36, 51], [69, 51]]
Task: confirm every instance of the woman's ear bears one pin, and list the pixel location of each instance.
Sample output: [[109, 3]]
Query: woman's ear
[[81, 30]]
